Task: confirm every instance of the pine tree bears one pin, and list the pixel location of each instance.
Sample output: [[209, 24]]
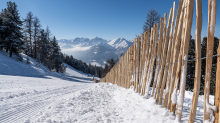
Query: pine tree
[[191, 66], [28, 60], [12, 39], [28, 29], [56, 55], [36, 34], [1, 32], [44, 50]]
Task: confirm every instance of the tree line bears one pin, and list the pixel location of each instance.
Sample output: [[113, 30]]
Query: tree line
[[27, 36], [82, 66]]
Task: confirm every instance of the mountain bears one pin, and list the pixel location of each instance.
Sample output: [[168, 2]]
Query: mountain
[[94, 51]]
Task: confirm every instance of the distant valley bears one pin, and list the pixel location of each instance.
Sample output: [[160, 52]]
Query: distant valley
[[94, 51]]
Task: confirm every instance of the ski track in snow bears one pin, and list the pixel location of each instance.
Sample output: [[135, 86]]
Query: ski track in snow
[[26, 90], [20, 107]]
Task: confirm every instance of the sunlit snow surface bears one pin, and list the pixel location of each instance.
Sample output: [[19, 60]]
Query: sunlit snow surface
[[32, 95]]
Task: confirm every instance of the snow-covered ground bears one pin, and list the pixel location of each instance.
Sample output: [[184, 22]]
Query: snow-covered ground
[[32, 94]]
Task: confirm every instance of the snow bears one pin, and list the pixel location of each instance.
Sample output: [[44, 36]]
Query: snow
[[31, 94], [104, 103], [174, 96], [180, 100]]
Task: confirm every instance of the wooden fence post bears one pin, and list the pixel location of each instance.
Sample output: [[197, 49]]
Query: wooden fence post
[[168, 59], [134, 64], [141, 63], [138, 64], [129, 67], [178, 70], [169, 83], [176, 40], [161, 65], [188, 22], [209, 52], [217, 86], [153, 57], [159, 53], [148, 61], [164, 56], [198, 61], [126, 70], [146, 40]]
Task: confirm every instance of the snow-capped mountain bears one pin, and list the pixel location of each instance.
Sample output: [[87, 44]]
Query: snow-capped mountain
[[96, 50]]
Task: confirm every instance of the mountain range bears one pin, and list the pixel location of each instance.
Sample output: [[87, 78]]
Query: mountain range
[[95, 51]]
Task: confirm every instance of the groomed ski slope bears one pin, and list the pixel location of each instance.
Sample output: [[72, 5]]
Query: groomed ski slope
[[31, 94]]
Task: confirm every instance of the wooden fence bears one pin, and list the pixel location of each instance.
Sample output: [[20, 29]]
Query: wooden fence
[[158, 59]]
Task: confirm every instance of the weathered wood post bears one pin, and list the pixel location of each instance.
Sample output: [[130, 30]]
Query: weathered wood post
[[161, 65], [159, 54], [129, 67], [164, 56], [217, 87], [148, 61], [188, 22], [169, 52], [134, 63], [179, 64], [141, 63], [176, 40], [146, 51], [198, 61], [209, 52], [153, 57], [138, 64]]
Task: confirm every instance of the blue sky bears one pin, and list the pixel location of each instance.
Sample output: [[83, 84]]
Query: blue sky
[[108, 19]]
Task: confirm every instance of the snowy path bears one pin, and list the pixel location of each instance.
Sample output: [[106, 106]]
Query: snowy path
[[28, 100]]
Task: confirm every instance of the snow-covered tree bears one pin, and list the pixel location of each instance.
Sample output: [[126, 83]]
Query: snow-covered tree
[[12, 36]]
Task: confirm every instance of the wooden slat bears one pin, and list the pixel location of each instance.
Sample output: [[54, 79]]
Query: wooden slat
[[159, 49], [141, 62], [188, 22], [148, 61], [209, 52], [138, 64], [178, 70], [161, 66], [134, 64], [176, 41], [197, 62], [153, 57], [164, 56], [169, 53], [146, 51], [217, 86]]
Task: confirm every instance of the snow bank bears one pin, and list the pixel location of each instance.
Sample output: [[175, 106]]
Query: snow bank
[[105, 103]]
